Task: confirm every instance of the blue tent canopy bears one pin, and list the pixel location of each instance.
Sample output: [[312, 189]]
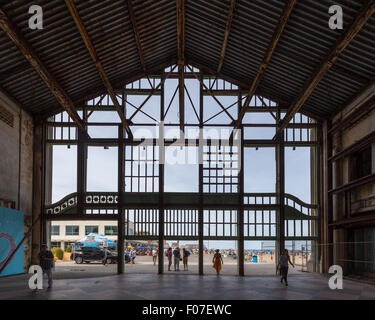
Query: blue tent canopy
[[95, 240]]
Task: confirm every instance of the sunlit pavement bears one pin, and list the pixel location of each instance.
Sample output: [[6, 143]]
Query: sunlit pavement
[[144, 265], [305, 286]]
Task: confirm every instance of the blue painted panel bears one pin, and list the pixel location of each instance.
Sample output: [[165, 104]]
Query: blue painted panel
[[11, 234]]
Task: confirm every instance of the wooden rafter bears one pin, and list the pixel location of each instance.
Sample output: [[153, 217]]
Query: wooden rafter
[[226, 34], [136, 34], [30, 55], [332, 56], [180, 20], [90, 47], [267, 58]]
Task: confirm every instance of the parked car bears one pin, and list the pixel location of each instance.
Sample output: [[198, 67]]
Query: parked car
[[91, 254]]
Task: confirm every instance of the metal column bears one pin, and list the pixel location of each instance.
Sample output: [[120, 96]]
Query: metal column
[[81, 170], [280, 163], [120, 210], [240, 212], [200, 211], [161, 184]]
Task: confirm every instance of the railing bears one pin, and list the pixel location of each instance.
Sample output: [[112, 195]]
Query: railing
[[62, 206], [269, 201], [252, 201]]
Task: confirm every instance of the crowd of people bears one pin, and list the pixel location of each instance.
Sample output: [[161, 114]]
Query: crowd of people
[[174, 256]]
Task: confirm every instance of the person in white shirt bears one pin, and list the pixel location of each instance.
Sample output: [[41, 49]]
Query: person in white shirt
[[154, 255]]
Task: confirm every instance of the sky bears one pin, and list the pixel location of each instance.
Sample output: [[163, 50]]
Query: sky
[[259, 165]]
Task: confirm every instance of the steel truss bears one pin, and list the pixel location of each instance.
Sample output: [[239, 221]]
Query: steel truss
[[220, 210]]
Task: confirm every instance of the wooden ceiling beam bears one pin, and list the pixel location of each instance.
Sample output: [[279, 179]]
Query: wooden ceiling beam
[[90, 47], [30, 55], [226, 34], [343, 41], [287, 11]]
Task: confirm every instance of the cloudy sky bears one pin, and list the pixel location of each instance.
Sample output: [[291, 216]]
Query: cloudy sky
[[259, 166]]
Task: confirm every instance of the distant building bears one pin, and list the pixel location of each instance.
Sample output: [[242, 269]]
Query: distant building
[[65, 233]]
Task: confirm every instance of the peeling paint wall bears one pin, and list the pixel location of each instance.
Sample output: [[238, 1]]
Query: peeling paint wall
[[16, 165], [359, 201]]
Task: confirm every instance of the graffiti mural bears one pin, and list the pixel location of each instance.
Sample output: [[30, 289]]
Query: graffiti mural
[[11, 234]]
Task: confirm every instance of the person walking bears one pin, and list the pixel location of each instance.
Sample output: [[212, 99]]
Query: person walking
[[169, 256], [185, 256], [217, 261], [176, 260], [46, 262], [154, 255], [133, 256], [283, 266]]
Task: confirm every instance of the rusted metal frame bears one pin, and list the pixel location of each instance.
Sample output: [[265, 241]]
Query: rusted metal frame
[[289, 6], [365, 93], [164, 77], [180, 21], [120, 205], [265, 105], [181, 97], [348, 222], [354, 117], [170, 103], [91, 49], [161, 185], [252, 143], [280, 171], [328, 61], [28, 52], [353, 184], [137, 39], [220, 112], [213, 83], [327, 182], [96, 104], [81, 172], [200, 187], [43, 229], [191, 101], [360, 144], [240, 210], [226, 34], [209, 91], [135, 107]]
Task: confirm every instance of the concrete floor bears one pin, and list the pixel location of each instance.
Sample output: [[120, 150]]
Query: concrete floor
[[144, 265], [94, 281], [181, 286]]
